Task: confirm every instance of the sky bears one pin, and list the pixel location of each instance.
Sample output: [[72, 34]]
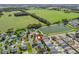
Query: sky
[[39, 1]]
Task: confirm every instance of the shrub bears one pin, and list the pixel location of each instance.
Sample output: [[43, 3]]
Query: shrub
[[35, 26]]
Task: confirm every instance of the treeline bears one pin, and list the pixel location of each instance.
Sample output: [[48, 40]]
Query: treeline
[[20, 14], [72, 10], [57, 9], [34, 26], [1, 13], [64, 21], [38, 18], [30, 26], [12, 9], [41, 19]]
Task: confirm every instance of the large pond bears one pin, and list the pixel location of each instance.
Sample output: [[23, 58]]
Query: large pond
[[57, 28]]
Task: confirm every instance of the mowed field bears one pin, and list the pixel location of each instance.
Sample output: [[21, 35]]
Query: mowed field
[[7, 22], [53, 15]]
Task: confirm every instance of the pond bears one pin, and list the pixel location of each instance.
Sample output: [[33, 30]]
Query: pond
[[56, 28]]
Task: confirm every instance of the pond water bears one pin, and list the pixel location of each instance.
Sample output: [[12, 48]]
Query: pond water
[[57, 28]]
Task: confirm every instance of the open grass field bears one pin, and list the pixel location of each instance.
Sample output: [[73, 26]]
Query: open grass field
[[53, 15], [7, 22]]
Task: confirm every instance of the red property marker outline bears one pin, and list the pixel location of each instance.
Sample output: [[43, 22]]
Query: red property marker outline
[[39, 37]]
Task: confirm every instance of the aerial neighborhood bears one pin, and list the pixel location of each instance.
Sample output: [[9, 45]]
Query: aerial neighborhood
[[39, 29]]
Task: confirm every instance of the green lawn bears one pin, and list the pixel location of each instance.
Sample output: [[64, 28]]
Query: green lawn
[[29, 48], [7, 22], [52, 15]]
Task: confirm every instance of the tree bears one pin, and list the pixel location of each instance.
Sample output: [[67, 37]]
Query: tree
[[34, 26], [45, 46], [65, 21], [56, 22], [9, 15], [40, 19]]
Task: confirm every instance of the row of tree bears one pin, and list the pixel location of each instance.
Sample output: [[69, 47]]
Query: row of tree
[[34, 26], [64, 21], [20, 14], [38, 18], [41, 19], [12, 9]]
